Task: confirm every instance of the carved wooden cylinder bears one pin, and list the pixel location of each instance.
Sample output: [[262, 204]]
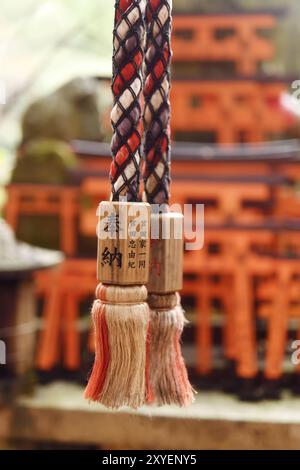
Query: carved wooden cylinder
[[123, 243], [166, 256], [163, 301]]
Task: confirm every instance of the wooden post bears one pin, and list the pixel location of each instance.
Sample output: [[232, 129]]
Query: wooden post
[[166, 259]]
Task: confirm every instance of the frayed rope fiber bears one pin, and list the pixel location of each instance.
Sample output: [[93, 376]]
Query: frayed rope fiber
[[169, 382], [121, 320]]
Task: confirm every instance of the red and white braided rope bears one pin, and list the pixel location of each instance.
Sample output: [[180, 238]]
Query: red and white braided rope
[[157, 101], [127, 86]]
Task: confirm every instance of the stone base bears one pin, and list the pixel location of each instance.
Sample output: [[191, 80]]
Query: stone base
[[214, 421]]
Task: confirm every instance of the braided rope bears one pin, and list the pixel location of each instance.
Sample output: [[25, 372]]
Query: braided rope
[[126, 115], [158, 54]]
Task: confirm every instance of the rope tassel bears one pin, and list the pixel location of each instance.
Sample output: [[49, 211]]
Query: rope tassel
[[169, 381], [120, 313], [121, 320]]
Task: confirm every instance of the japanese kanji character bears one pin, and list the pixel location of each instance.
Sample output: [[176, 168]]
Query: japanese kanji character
[[108, 257]]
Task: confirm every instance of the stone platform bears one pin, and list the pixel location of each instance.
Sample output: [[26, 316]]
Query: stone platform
[[58, 416]]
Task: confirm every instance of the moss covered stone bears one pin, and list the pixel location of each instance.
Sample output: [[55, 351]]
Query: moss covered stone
[[73, 111], [44, 161]]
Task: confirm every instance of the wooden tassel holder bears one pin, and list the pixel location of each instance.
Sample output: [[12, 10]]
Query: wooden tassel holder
[[120, 312], [169, 382]]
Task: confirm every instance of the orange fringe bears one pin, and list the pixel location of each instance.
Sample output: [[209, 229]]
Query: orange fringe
[[97, 378]]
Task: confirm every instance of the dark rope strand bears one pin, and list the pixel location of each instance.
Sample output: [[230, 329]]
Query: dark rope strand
[[158, 54]]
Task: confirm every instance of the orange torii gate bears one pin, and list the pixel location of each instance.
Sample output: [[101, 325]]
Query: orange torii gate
[[241, 38], [218, 93], [226, 111]]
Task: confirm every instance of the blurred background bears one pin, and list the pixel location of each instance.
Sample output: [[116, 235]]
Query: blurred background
[[236, 129]]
